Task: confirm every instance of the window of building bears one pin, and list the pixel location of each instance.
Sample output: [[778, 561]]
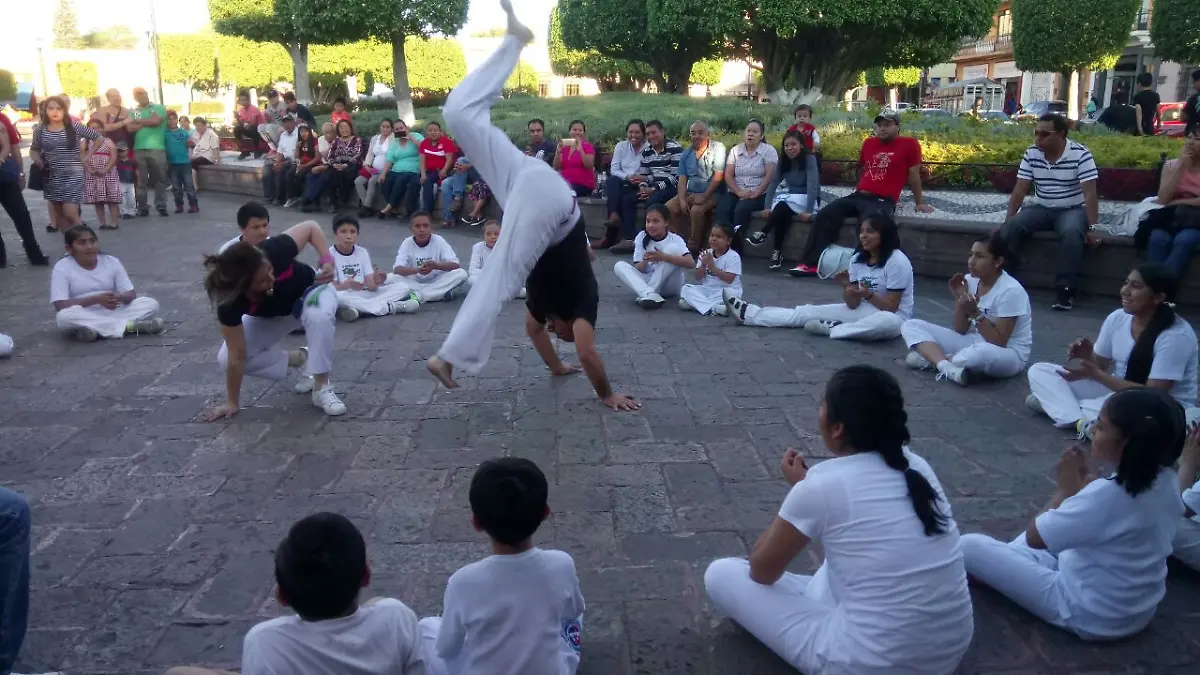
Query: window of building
[[543, 89], [1004, 23], [572, 89]]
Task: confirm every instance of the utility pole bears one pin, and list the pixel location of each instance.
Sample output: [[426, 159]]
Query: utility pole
[[154, 46]]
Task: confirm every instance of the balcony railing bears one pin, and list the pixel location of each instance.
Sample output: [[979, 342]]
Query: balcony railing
[[991, 45], [1143, 20]]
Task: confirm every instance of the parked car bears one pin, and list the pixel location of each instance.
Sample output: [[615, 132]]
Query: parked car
[[1036, 109], [1170, 117], [934, 112]]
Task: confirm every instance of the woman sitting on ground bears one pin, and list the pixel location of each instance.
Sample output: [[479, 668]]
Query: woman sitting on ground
[[992, 330], [576, 160], [793, 193], [749, 171], [1142, 344], [877, 293], [93, 295], [1095, 561], [891, 596]]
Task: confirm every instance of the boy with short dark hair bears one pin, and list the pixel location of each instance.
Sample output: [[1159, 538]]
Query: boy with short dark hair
[[519, 610], [254, 221], [179, 164], [427, 263], [361, 287]]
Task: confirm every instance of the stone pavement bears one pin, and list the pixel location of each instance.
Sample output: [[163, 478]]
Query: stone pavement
[[153, 533]]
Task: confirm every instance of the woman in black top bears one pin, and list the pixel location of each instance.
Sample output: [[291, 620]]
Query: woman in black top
[[262, 293]]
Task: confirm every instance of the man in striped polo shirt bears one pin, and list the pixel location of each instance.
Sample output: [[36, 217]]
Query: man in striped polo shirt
[[1063, 176]]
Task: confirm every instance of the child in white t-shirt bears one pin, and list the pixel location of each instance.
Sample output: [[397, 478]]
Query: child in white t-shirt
[[481, 251], [992, 329], [93, 295], [254, 222], [659, 259], [1142, 344], [519, 610], [1095, 561], [891, 597], [877, 293], [427, 263], [320, 567], [362, 289], [1186, 546], [719, 271]]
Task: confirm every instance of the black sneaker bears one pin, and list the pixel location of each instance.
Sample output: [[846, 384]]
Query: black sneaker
[[776, 259], [1065, 300], [757, 238], [143, 213]]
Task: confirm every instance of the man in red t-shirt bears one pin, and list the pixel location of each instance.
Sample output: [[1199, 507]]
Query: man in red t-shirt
[[886, 163], [435, 161]]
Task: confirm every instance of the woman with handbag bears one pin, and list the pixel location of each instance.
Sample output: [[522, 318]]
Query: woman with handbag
[[56, 147], [12, 182]]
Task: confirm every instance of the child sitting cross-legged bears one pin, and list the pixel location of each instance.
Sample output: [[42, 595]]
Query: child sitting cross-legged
[[92, 293], [362, 289], [481, 251], [519, 610], [427, 263], [659, 259], [320, 567], [719, 273]]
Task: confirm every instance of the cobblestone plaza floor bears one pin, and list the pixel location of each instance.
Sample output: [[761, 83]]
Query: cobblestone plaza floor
[[153, 533]]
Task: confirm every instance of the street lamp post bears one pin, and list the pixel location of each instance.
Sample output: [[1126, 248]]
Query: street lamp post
[[154, 46]]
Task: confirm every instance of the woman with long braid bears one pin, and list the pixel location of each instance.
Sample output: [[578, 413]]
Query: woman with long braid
[[891, 597]]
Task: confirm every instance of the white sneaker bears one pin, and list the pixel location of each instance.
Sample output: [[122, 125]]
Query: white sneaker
[[917, 362], [328, 401], [304, 384], [956, 374], [720, 310], [521, 293], [291, 203], [820, 327], [86, 335], [298, 357], [652, 301], [403, 306], [1035, 404], [685, 305], [347, 314]]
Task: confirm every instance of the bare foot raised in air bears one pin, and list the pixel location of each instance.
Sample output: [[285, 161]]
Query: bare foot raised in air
[[441, 370], [515, 27]]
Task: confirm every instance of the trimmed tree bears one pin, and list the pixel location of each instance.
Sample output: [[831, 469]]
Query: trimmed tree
[[66, 27], [891, 78], [368, 61], [610, 74], [189, 59], [708, 73], [1175, 30], [524, 80], [1098, 34], [78, 78], [249, 64]]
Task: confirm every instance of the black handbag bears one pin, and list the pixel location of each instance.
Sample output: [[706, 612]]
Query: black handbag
[[37, 179]]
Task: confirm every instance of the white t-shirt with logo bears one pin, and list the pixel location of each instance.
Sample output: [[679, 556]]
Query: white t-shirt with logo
[[1112, 552], [355, 266], [1174, 353], [1007, 300], [69, 281], [479, 255], [894, 275], [672, 244], [730, 262], [513, 614], [900, 597], [379, 639], [436, 250]]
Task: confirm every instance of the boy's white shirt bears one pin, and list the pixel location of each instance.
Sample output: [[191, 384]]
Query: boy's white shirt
[[355, 266], [479, 255], [411, 255]]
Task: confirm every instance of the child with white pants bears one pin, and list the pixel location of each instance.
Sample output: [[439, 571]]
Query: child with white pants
[[1186, 546], [480, 253], [93, 294], [362, 289], [719, 271], [427, 263], [659, 259]]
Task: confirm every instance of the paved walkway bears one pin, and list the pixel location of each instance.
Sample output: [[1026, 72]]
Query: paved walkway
[[153, 533]]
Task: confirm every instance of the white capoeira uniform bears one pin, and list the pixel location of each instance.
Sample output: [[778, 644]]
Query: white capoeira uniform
[[1007, 299], [69, 281], [660, 278], [6, 345], [479, 256], [705, 297], [1175, 353], [434, 286], [1186, 546], [379, 302], [539, 207], [864, 322]]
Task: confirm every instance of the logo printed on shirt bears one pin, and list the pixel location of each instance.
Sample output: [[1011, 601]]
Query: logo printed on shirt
[[571, 632], [878, 165], [351, 269]]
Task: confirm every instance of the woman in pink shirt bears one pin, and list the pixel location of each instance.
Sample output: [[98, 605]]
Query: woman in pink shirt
[[576, 160], [1174, 231]]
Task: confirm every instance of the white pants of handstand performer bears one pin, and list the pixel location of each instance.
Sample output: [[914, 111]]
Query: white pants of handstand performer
[[264, 356], [379, 301], [865, 322], [968, 351], [109, 323], [539, 208], [663, 280]]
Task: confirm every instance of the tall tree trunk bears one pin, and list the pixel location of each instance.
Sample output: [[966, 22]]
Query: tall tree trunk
[[299, 54], [400, 88], [1064, 86]]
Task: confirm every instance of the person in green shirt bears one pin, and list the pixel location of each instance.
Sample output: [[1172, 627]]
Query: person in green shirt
[[402, 173], [148, 123], [179, 164]]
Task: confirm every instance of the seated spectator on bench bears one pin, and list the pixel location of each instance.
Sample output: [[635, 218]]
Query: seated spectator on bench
[[576, 160], [659, 259], [660, 166], [891, 595], [320, 569], [886, 162], [435, 162], [254, 221], [403, 181], [427, 263], [1186, 546], [206, 147], [1142, 344], [93, 296], [701, 178], [1174, 231], [1094, 563], [877, 293], [539, 147], [299, 111], [273, 116], [307, 182], [749, 170], [344, 160], [318, 176], [279, 168], [454, 189], [480, 253], [247, 120], [361, 287], [992, 330], [793, 193], [719, 271], [374, 165], [1063, 177], [481, 196], [339, 111], [625, 177]]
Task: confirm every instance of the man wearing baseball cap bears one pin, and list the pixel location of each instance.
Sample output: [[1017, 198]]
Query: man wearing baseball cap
[[886, 163]]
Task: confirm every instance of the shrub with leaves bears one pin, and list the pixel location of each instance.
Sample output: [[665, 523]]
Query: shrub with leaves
[[78, 78]]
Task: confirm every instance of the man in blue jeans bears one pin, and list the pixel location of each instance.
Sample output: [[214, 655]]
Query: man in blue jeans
[[1063, 177], [14, 576]]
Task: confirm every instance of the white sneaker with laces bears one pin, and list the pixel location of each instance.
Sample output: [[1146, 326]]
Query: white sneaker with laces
[[304, 384], [327, 400], [403, 306], [347, 314], [917, 362], [1035, 404], [953, 373], [651, 301], [720, 310], [820, 327], [685, 305]]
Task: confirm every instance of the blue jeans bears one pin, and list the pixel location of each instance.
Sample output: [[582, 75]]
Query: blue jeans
[[454, 187], [429, 190], [1070, 225], [401, 187], [181, 183], [1173, 250], [14, 576]]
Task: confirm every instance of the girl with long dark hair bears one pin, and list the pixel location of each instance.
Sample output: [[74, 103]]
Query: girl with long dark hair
[[1095, 561], [793, 193], [92, 293], [891, 596], [56, 148], [877, 293], [1142, 344]]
